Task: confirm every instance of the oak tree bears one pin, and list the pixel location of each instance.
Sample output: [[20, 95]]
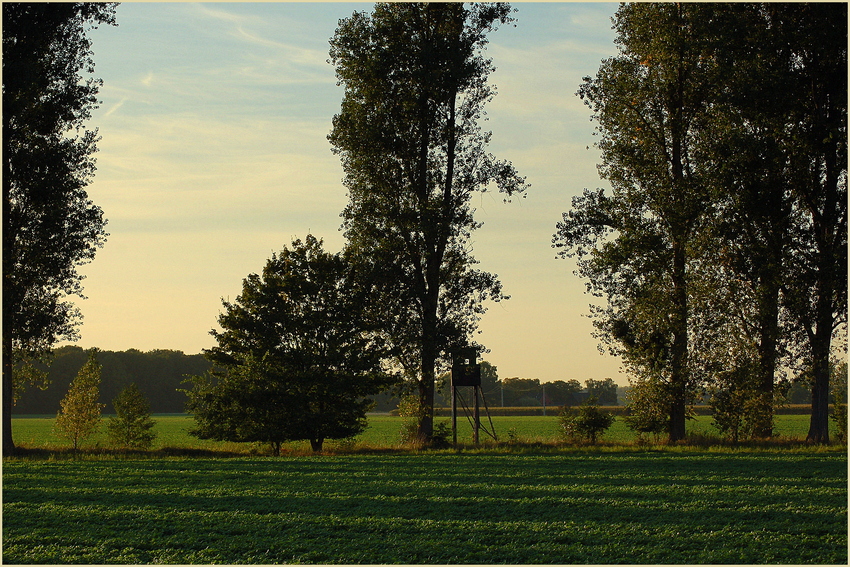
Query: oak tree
[[297, 356]]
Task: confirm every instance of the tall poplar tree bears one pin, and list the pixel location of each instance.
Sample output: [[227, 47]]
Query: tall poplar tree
[[750, 236], [408, 135], [50, 226], [636, 246], [814, 64]]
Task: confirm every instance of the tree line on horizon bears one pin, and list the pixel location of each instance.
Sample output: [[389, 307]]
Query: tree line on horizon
[[160, 376], [719, 257]]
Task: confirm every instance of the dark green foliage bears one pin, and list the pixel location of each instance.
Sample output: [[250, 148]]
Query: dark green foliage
[[296, 358], [158, 374], [50, 227], [741, 409], [811, 40], [563, 393], [132, 424], [583, 508], [522, 392], [585, 422], [647, 407], [413, 152], [605, 391]]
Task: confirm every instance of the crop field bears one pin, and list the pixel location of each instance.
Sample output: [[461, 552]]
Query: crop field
[[383, 431], [583, 507]]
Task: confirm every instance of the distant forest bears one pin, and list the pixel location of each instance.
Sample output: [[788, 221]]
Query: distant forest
[[159, 375]]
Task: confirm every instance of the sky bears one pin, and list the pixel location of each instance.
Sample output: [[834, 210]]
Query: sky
[[214, 155]]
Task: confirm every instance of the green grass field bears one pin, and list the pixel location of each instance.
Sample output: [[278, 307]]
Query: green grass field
[[583, 507], [383, 431], [372, 501]]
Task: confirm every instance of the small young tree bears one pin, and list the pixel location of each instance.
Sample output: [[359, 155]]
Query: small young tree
[[585, 422], [646, 404], [839, 400], [132, 424], [408, 410], [739, 407], [79, 414]]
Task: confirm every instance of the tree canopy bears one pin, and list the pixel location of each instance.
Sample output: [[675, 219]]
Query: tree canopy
[[50, 226], [413, 152], [649, 102], [296, 357], [723, 134]]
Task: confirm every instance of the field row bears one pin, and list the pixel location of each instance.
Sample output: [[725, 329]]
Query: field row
[[639, 508], [383, 431]]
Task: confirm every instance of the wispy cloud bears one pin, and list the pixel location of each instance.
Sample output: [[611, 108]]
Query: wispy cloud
[[115, 107], [245, 28]]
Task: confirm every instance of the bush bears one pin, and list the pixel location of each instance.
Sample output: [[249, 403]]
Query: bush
[[408, 409], [647, 406], [132, 424], [839, 401], [585, 422]]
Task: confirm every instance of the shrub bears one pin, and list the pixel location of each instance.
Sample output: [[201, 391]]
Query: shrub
[[585, 422], [132, 424], [839, 401], [408, 409], [440, 436], [647, 406]]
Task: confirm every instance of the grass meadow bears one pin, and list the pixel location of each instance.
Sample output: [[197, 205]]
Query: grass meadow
[[383, 432], [369, 501]]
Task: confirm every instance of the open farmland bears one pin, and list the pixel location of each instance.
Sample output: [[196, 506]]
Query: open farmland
[[638, 507], [383, 431]]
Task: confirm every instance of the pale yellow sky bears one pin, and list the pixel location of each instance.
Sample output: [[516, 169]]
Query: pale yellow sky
[[214, 155]]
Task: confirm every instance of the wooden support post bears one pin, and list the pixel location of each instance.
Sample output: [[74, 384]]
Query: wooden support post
[[477, 418], [454, 413]]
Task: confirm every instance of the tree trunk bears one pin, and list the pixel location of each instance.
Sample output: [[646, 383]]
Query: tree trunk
[[316, 444], [820, 346], [8, 395], [826, 287], [426, 383], [8, 305], [768, 339], [679, 361]]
